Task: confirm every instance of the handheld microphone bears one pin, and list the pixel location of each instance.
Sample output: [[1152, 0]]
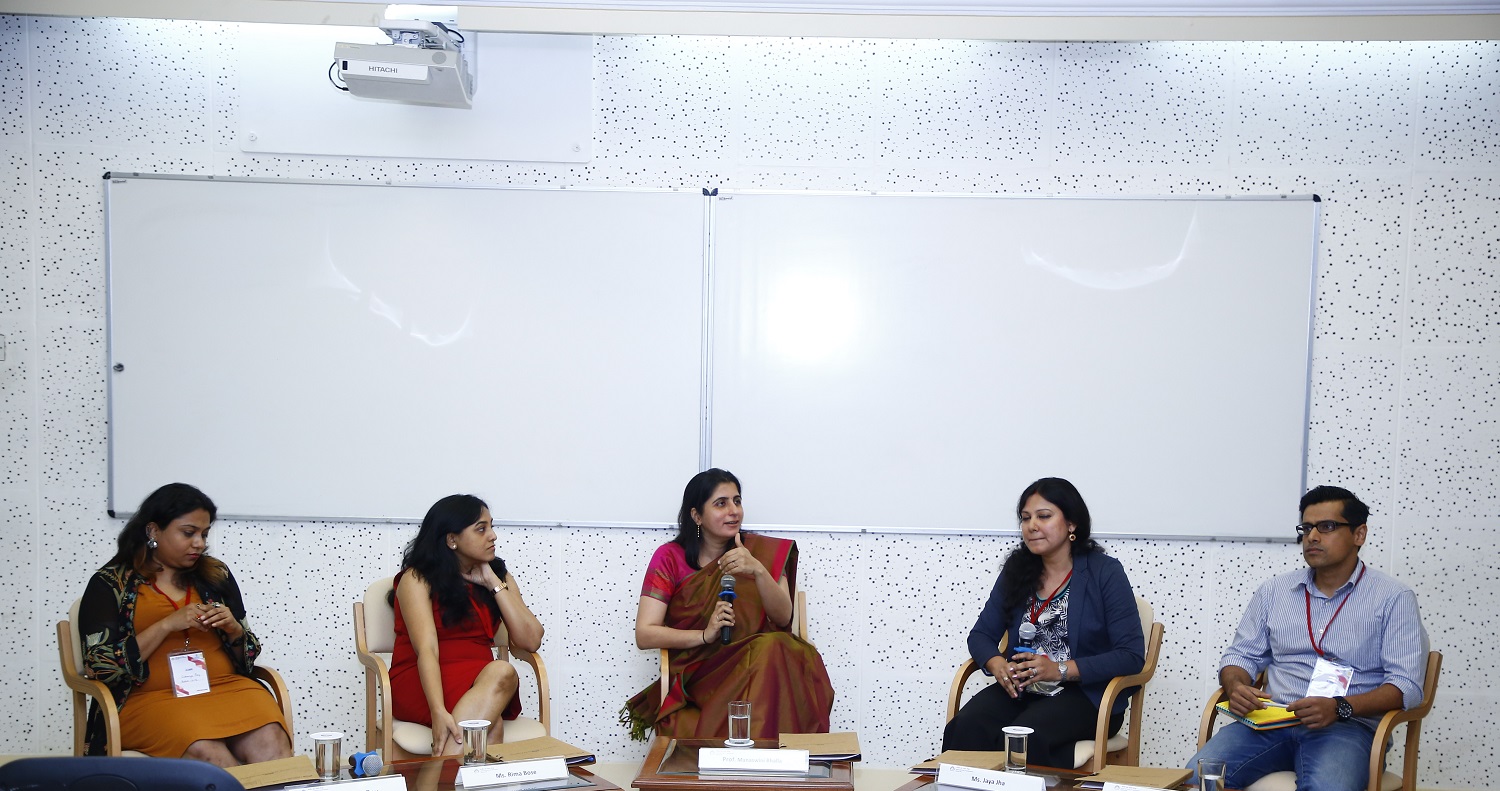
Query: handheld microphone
[[726, 593], [365, 764]]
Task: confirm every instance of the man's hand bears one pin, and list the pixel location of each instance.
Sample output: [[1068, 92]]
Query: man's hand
[[1315, 712], [1245, 698]]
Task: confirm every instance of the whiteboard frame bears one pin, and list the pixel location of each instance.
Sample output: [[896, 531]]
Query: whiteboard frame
[[709, 242]]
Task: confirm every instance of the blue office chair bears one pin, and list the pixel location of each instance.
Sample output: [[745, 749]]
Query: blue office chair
[[114, 774]]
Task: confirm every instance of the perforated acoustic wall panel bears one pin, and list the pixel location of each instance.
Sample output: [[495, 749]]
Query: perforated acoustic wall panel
[[1400, 140]]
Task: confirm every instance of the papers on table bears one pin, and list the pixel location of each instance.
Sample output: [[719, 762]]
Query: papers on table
[[539, 747], [974, 759], [295, 769], [1144, 776], [824, 746]]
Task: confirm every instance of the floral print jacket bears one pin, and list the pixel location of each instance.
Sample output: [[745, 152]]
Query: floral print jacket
[[106, 624]]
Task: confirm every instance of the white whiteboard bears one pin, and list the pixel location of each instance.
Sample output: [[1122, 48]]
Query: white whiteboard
[[912, 362], [318, 350]]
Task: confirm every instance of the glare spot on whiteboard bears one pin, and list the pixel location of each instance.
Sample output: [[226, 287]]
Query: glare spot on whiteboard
[[1106, 256], [811, 317]]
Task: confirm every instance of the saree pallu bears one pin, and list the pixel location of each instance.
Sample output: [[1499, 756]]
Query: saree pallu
[[781, 675]]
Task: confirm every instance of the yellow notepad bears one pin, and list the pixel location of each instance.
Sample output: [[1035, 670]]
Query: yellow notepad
[[1268, 718]]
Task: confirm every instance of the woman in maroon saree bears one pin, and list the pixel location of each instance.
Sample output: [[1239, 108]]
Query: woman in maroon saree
[[764, 663]]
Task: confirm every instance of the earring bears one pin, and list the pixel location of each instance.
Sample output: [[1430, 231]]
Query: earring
[[151, 543], [1072, 536], [700, 531]]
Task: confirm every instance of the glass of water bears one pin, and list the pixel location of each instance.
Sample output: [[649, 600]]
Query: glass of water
[[476, 734], [326, 749], [1210, 774], [1016, 739], [739, 725]]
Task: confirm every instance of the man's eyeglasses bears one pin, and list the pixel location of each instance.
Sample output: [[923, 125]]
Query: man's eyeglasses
[[1327, 526]]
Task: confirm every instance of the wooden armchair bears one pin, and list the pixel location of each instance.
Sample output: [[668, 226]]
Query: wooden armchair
[[1123, 748], [75, 675], [1380, 780], [375, 639]]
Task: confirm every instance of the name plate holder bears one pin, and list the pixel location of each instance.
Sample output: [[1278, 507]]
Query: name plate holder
[[987, 779], [742, 761], [486, 775]]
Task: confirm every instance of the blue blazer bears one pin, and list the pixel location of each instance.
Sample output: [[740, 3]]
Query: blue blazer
[[1104, 627]]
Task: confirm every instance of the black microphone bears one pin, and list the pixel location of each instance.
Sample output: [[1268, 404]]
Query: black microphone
[[365, 764], [726, 593]]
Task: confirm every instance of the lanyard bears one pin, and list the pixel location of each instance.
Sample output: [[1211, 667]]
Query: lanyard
[[186, 599], [1316, 643], [1043, 606]]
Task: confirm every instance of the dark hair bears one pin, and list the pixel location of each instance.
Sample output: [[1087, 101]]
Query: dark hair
[[695, 496], [1023, 568], [160, 507], [1356, 513], [428, 554]]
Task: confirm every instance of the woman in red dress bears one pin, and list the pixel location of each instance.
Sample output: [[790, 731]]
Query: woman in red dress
[[451, 596]]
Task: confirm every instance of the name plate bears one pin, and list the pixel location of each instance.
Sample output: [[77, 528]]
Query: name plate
[[987, 779], [518, 772], [1127, 787], [725, 759]]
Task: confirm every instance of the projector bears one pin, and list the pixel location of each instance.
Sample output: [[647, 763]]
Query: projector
[[425, 63]]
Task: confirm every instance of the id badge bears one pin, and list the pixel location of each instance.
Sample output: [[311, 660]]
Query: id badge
[[189, 673], [1329, 679]]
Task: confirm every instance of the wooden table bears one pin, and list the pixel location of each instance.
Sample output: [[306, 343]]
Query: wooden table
[[840, 775], [438, 774]]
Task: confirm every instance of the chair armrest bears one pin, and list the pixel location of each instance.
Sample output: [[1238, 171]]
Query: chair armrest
[[274, 682], [377, 688], [1118, 685], [543, 686], [93, 688], [956, 689], [106, 702], [1206, 726]]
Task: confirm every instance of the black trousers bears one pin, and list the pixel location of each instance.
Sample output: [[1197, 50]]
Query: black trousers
[[1058, 722]]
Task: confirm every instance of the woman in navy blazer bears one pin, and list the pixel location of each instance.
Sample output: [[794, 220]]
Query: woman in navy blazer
[[1072, 625]]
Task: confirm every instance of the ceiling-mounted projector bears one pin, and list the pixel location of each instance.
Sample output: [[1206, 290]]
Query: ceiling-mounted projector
[[425, 63]]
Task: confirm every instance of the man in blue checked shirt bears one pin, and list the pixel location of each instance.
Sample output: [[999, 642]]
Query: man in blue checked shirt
[[1341, 644]]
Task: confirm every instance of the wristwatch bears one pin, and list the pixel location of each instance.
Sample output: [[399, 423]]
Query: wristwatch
[[1345, 708], [501, 587], [1062, 671]]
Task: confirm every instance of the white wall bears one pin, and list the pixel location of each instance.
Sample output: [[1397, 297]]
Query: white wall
[[1400, 140]]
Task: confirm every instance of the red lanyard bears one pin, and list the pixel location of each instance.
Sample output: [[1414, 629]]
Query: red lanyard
[[175, 606], [188, 597], [1316, 643], [1043, 606]]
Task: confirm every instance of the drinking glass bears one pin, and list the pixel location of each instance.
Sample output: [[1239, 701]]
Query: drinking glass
[[475, 733], [326, 748], [1210, 775], [739, 725], [1016, 738]]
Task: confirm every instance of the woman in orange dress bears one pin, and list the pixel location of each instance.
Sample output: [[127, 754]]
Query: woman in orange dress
[[163, 605], [451, 597]]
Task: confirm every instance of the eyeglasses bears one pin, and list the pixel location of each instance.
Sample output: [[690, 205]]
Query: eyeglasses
[[1327, 526]]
